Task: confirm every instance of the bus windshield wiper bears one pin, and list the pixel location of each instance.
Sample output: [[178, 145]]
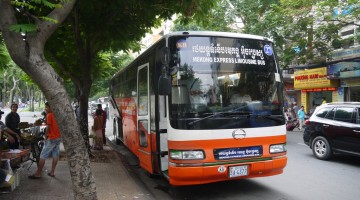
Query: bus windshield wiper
[[246, 114], [207, 117], [278, 118]]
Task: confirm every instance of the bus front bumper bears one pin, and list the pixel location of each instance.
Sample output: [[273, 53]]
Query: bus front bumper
[[208, 173]]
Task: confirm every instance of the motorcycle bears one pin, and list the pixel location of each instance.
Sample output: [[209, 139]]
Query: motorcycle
[[291, 124]]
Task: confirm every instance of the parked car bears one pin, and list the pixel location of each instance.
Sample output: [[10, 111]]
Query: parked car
[[334, 128]]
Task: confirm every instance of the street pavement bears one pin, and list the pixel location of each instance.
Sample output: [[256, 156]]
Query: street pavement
[[113, 176]]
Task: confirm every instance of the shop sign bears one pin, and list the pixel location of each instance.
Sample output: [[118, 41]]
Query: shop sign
[[350, 82], [313, 78], [319, 89], [344, 69], [289, 87], [346, 53]]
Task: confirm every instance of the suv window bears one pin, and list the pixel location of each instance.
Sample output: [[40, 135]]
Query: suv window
[[331, 114], [358, 116], [322, 112], [344, 114]]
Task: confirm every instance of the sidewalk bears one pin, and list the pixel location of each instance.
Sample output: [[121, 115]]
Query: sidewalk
[[113, 179]]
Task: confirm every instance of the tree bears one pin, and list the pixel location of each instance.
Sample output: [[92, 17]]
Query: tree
[[304, 31], [95, 27], [26, 42], [28, 53], [221, 17]]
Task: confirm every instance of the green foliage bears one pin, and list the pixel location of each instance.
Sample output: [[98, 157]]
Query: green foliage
[[81, 49], [308, 25], [35, 4], [218, 18], [27, 11], [23, 28], [4, 55], [48, 19]]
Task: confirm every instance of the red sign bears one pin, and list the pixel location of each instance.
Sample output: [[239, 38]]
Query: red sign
[[319, 89]]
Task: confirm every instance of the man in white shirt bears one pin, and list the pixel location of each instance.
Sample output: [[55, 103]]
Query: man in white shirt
[[240, 97]]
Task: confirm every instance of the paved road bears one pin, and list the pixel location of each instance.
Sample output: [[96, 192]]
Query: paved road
[[305, 178]]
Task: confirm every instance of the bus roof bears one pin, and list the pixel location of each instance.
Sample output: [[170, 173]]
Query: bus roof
[[199, 33], [215, 33]]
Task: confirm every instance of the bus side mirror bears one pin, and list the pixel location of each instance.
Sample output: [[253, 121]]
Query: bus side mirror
[[164, 84]]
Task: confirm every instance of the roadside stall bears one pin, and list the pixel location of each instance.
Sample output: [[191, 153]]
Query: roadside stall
[[12, 160]]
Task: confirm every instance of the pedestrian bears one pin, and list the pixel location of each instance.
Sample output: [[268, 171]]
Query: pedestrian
[[295, 108], [10, 135], [2, 172], [97, 128], [324, 101], [104, 115], [52, 145], [12, 121], [301, 117]]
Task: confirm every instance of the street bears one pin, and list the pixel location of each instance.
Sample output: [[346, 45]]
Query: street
[[305, 177]]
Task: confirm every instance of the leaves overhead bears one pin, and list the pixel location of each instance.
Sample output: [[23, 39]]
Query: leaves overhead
[[305, 31]]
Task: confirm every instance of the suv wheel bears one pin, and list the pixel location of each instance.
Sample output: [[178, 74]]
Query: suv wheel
[[321, 148]]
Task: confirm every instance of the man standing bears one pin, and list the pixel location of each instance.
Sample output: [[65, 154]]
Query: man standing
[[52, 145], [301, 116], [12, 121], [104, 116], [295, 109]]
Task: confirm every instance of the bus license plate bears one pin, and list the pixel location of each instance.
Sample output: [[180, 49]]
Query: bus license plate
[[237, 171]]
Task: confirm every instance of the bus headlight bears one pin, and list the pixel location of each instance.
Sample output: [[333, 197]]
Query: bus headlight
[[277, 148], [186, 155]]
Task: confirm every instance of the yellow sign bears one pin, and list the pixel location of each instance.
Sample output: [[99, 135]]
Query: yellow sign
[[304, 98], [313, 78]]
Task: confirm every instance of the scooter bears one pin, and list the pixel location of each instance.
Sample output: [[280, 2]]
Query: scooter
[[291, 124]]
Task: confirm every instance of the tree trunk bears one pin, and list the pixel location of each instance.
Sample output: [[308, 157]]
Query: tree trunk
[[31, 98], [28, 54], [76, 151], [12, 90], [5, 95], [83, 121]]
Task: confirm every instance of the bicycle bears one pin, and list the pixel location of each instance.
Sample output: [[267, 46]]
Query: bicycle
[[36, 143], [35, 149]]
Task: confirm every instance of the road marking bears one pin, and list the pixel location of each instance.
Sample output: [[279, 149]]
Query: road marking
[[302, 144]]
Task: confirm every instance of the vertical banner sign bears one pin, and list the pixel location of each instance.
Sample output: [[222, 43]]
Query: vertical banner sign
[[304, 101]]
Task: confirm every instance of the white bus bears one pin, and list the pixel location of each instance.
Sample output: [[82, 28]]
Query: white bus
[[201, 107]]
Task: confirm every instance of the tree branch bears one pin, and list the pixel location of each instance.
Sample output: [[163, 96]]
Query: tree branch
[[46, 28], [7, 19]]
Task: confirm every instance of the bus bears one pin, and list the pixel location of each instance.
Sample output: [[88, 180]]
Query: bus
[[202, 107]]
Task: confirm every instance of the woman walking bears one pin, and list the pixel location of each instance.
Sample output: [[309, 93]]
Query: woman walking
[[97, 128]]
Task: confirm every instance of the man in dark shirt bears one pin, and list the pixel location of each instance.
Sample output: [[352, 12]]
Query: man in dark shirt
[[12, 121]]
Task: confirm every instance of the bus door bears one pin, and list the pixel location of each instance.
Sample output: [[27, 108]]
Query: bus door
[[143, 118]]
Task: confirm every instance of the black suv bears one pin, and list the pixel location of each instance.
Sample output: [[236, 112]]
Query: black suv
[[334, 128]]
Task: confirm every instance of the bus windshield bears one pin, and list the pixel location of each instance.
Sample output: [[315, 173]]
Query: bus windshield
[[223, 83]]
